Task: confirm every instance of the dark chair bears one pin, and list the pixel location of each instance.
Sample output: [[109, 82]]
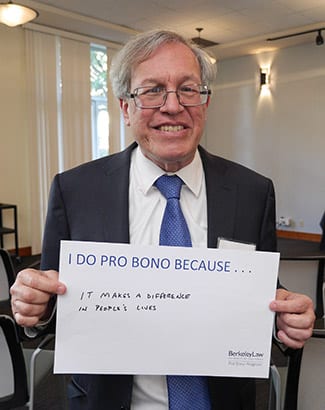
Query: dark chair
[[7, 278], [36, 360], [275, 389], [13, 378], [20, 377], [322, 225]]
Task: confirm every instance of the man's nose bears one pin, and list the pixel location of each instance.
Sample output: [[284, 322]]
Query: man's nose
[[172, 104]]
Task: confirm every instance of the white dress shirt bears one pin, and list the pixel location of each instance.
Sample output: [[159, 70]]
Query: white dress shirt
[[146, 210]]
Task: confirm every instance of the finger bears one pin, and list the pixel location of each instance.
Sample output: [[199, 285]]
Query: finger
[[25, 321], [29, 295], [294, 303], [290, 342], [294, 337], [29, 309], [297, 321], [45, 281], [294, 325]]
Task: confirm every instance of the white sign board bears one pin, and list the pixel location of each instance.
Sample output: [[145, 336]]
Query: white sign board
[[164, 310]]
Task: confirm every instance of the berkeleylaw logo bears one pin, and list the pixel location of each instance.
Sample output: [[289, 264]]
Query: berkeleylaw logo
[[238, 353], [245, 358]]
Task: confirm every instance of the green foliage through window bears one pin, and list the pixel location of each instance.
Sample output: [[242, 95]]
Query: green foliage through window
[[99, 103], [98, 71]]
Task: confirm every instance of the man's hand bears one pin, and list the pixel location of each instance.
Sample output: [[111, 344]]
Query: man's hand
[[295, 317], [30, 295]]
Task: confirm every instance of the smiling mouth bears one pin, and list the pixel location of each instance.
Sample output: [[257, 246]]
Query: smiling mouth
[[171, 128]]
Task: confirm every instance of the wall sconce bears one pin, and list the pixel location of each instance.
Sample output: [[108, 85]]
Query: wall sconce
[[15, 14], [265, 77]]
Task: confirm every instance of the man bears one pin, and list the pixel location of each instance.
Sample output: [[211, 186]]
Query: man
[[163, 87]]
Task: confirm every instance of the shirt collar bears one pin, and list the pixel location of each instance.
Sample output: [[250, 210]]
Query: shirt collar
[[146, 172]]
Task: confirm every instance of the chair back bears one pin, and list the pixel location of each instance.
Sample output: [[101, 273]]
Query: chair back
[[322, 225], [7, 277], [13, 381]]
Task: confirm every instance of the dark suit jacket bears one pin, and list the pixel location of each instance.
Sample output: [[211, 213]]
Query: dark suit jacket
[[90, 202]]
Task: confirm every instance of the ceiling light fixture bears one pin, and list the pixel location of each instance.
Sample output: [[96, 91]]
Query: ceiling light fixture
[[319, 39], [202, 42], [16, 14]]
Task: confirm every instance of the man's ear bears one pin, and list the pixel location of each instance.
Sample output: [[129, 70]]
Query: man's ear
[[207, 105], [124, 105]]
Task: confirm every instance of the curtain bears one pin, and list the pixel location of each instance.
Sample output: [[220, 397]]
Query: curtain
[[41, 70], [75, 130], [58, 89]]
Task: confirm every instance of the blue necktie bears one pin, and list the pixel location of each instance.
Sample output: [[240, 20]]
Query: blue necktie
[[184, 392]]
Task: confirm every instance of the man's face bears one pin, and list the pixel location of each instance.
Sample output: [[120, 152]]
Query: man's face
[[168, 135]]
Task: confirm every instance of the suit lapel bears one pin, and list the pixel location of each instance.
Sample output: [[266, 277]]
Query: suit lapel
[[221, 198], [116, 198]]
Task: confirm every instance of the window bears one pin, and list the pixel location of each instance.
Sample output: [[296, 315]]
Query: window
[[99, 103]]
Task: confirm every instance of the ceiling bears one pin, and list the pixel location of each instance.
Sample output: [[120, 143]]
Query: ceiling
[[239, 26]]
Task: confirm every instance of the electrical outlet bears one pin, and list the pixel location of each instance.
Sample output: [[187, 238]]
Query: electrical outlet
[[284, 221]]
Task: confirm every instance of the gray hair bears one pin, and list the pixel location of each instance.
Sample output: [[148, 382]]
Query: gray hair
[[139, 49]]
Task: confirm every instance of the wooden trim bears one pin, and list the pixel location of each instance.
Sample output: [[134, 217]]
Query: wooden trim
[[26, 251], [304, 236]]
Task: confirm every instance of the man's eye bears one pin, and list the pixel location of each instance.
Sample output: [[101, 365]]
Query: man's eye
[[155, 90], [188, 89]]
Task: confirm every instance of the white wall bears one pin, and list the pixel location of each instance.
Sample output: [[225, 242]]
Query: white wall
[[281, 135]]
